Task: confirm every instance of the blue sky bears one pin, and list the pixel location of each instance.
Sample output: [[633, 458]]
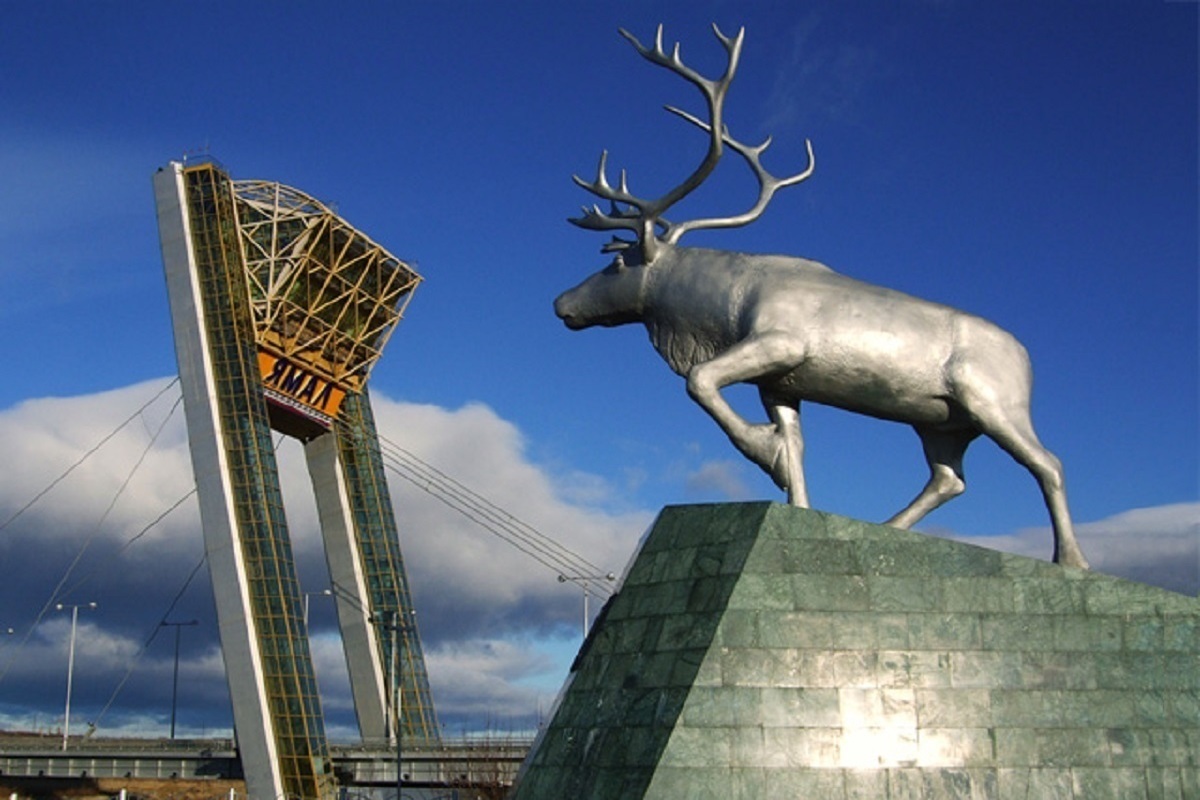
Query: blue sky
[[1031, 162]]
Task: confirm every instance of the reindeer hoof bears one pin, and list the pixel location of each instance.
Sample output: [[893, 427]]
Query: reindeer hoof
[[765, 446], [1072, 557]]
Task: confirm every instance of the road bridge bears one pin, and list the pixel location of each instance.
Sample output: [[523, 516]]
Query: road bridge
[[462, 769]]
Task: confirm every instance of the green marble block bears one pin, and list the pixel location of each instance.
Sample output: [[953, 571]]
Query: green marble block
[[761, 651]]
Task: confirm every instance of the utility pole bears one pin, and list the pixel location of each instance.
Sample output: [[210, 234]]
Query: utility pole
[[324, 593], [71, 664], [584, 581], [395, 627], [175, 678]]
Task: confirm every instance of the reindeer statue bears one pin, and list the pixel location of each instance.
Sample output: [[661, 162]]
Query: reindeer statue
[[800, 331]]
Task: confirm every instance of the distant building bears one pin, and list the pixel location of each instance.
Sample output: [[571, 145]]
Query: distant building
[[280, 308]]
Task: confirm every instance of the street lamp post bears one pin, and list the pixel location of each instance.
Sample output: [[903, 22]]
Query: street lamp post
[[71, 663], [395, 627], [323, 592], [584, 581], [175, 676]]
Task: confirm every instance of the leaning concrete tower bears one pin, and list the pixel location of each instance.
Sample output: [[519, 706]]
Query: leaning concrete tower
[[280, 309]]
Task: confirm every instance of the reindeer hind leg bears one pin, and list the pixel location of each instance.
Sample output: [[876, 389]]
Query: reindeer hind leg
[[1001, 411], [944, 452], [1020, 441], [785, 414]]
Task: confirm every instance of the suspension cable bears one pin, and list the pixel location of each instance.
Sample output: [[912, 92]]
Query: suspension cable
[[87, 455], [400, 461], [483, 512], [175, 601], [145, 530], [149, 640], [57, 592]]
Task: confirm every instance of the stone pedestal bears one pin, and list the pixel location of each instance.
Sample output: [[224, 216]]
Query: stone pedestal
[[762, 651]]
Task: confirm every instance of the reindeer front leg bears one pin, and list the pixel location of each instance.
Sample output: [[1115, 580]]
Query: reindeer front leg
[[776, 447]]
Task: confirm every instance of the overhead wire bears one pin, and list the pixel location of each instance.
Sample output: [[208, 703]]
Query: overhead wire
[[86, 456], [57, 593], [94, 724], [145, 530], [432, 478], [496, 520], [400, 461], [146, 644]]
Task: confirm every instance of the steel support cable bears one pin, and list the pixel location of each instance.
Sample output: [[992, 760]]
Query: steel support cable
[[453, 501], [152, 524], [57, 592], [487, 514], [432, 477], [86, 456], [523, 530], [500, 514], [154, 632], [498, 521], [146, 645]]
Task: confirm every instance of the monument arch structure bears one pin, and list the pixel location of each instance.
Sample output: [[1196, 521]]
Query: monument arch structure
[[280, 308]]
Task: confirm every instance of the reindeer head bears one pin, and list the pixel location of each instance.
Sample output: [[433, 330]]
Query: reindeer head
[[645, 217]]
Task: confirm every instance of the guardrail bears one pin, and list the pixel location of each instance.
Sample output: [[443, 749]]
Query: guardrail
[[467, 761], [27, 744]]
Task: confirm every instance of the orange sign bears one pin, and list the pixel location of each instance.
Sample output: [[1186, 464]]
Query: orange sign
[[303, 391]]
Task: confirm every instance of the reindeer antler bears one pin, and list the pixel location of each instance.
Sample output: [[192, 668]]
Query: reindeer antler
[[619, 216], [628, 212], [643, 217], [768, 184]]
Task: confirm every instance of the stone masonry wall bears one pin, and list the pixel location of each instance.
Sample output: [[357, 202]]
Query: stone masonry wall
[[761, 651]]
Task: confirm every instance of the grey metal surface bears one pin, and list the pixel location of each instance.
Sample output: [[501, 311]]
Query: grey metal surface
[[799, 331]]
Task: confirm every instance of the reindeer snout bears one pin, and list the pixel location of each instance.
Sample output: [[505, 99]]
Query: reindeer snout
[[562, 307]]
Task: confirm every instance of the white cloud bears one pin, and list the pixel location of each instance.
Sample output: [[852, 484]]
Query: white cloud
[[816, 81], [329, 663], [1159, 546], [497, 677], [47, 437], [499, 629], [466, 577], [722, 477], [475, 592], [103, 650]]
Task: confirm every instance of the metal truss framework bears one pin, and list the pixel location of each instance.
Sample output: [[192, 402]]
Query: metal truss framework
[[322, 294]]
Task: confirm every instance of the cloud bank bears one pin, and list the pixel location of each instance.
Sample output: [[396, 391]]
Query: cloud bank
[[498, 628], [1159, 546]]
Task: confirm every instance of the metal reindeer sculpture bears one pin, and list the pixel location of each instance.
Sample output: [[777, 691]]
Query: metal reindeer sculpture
[[800, 331]]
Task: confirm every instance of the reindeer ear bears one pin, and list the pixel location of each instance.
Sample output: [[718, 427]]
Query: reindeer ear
[[616, 245]]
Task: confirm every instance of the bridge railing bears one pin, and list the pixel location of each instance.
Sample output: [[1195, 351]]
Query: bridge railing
[[469, 761], [37, 743]]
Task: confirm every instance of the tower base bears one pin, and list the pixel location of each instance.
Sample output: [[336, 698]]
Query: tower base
[[761, 651]]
